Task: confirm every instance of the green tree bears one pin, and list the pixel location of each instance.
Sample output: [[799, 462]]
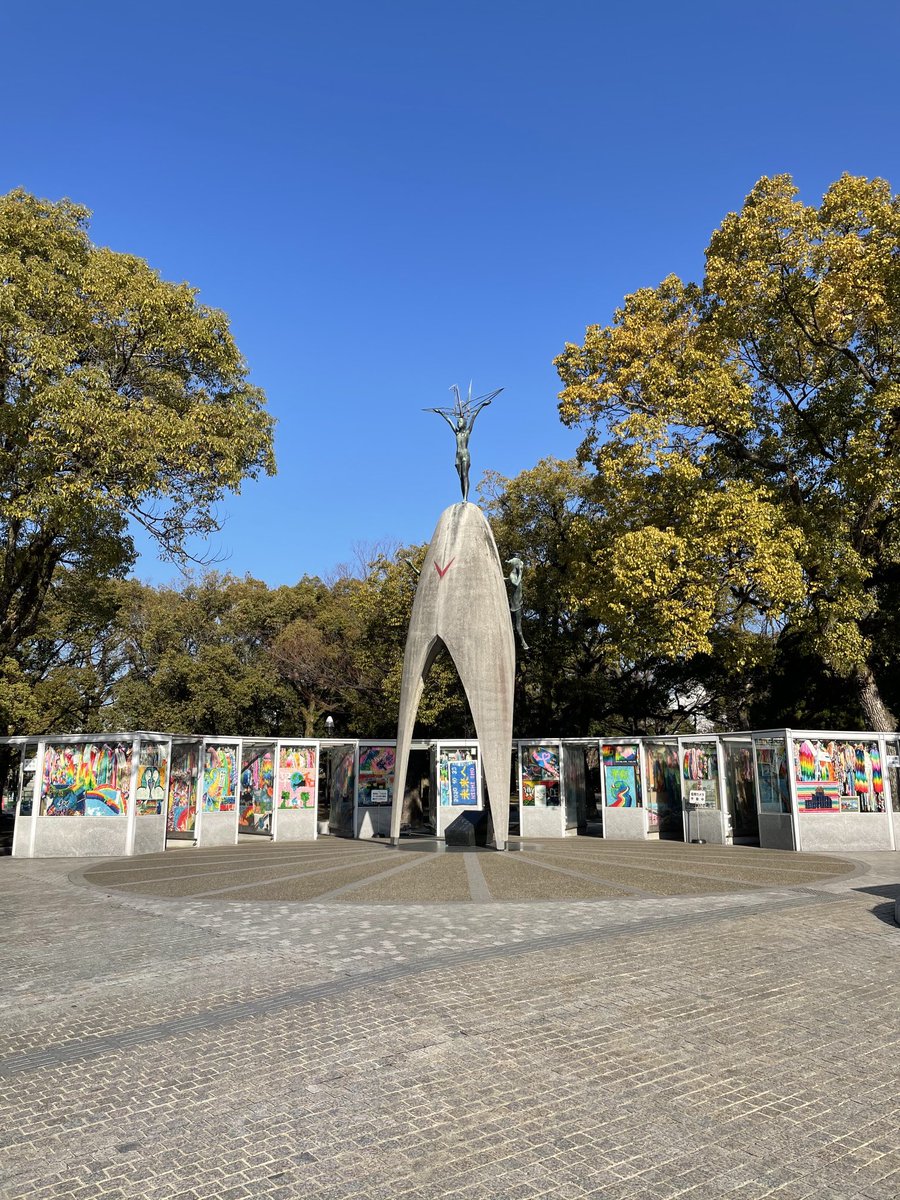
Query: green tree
[[581, 675], [68, 670], [318, 656], [123, 401], [564, 679], [198, 658], [746, 438]]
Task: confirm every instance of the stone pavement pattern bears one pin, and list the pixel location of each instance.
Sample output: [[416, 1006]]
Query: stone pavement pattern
[[362, 872], [731, 1043]]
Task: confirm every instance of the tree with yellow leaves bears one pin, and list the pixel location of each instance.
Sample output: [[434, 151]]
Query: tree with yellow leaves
[[746, 438]]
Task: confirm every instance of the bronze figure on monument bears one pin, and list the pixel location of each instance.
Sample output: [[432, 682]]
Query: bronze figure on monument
[[461, 418], [515, 601]]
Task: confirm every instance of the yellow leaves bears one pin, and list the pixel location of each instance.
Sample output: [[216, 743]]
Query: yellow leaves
[[656, 587], [746, 433], [664, 577], [660, 359]]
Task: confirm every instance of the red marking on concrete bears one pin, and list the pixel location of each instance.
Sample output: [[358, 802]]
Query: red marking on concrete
[[442, 571]]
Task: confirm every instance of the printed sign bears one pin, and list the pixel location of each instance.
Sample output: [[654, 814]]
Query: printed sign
[[464, 783]]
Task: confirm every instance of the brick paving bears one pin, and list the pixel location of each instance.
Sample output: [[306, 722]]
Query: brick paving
[[727, 1026], [571, 869]]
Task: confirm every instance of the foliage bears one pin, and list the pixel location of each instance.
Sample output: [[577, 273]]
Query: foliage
[[122, 399], [746, 439], [563, 684], [222, 655], [725, 549], [197, 657]]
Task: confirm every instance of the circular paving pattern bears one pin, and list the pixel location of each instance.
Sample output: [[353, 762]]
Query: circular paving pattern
[[363, 872]]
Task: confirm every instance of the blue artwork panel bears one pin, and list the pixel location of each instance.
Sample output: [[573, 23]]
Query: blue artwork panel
[[464, 783]]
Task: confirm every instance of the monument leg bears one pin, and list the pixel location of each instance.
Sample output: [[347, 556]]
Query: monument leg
[[461, 604]]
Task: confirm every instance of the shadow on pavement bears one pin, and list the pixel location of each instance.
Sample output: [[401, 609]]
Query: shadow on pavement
[[7, 824], [891, 891]]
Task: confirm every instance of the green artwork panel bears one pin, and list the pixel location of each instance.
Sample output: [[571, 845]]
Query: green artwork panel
[[298, 777], [152, 779]]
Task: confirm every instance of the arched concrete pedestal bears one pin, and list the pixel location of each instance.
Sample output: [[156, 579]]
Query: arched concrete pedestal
[[461, 604]]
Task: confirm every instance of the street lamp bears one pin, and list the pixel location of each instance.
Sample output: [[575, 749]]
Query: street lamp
[[329, 726]]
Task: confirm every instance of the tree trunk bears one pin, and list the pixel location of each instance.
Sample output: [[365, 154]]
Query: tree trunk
[[311, 712], [878, 716]]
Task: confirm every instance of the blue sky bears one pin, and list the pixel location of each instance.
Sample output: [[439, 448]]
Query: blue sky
[[389, 198]]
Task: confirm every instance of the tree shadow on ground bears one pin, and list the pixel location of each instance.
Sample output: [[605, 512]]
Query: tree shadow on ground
[[884, 912]]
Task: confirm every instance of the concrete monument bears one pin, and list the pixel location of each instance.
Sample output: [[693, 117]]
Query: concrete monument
[[461, 605]]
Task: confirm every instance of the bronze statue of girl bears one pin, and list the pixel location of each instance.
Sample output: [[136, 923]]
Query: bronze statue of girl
[[461, 418]]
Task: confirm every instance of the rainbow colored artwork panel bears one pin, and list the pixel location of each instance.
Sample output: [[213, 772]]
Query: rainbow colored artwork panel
[[852, 771], [620, 753], [257, 786], [627, 757], [298, 777], [220, 779], [91, 780], [621, 786], [819, 797], [182, 813], [375, 782], [540, 777]]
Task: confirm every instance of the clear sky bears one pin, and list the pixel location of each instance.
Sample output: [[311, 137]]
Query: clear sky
[[391, 197]]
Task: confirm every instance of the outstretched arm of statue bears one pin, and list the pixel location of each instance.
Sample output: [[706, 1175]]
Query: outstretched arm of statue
[[441, 413], [477, 409]]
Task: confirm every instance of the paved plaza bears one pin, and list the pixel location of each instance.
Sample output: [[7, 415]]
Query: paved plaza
[[344, 1020]]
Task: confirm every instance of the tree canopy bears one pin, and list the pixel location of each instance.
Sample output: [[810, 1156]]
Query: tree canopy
[[745, 433], [123, 401], [726, 546]]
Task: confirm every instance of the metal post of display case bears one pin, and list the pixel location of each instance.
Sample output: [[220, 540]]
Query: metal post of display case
[[24, 836], [132, 794], [756, 786], [198, 790], [38, 793], [602, 788], [519, 797], [645, 792], [792, 780], [888, 799], [722, 790]]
